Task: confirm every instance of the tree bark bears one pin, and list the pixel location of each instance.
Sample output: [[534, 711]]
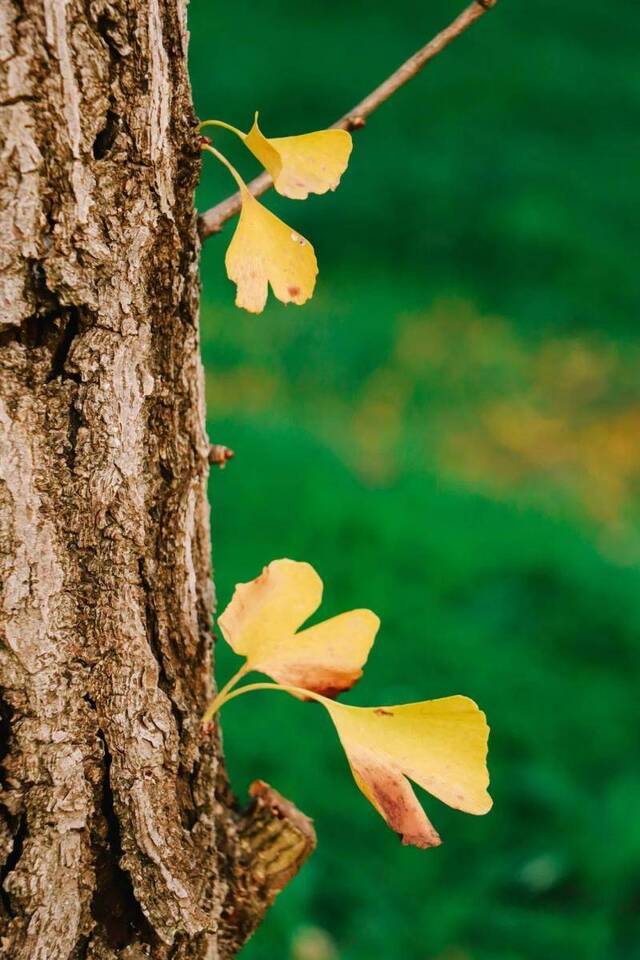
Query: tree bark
[[112, 839]]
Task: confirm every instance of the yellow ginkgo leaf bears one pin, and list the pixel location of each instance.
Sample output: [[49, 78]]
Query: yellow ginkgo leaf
[[263, 251], [261, 621], [439, 744], [300, 165]]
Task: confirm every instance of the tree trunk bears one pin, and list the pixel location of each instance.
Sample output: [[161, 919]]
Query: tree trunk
[[113, 841]]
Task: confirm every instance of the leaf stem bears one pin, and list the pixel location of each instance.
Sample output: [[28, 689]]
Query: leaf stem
[[224, 697], [221, 123], [221, 696], [232, 170]]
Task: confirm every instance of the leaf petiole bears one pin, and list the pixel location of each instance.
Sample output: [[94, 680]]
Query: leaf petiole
[[295, 691], [221, 696], [221, 123], [232, 170], [227, 694]]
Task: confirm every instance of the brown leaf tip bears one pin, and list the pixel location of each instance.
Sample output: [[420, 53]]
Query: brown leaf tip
[[420, 840]]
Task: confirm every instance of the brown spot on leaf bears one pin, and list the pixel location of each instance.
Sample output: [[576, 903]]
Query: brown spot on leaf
[[381, 712], [293, 291], [329, 692], [328, 683]]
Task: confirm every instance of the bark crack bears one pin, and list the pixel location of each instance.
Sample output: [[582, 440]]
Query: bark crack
[[6, 713], [115, 907], [106, 137], [153, 636], [12, 860], [20, 98], [68, 332], [111, 33], [50, 329]]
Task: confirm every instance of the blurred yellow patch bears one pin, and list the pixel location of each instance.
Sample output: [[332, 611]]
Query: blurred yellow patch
[[439, 744], [300, 165], [263, 251], [261, 621], [313, 943], [257, 387]]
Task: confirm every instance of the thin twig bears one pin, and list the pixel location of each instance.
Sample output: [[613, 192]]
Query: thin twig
[[212, 221]]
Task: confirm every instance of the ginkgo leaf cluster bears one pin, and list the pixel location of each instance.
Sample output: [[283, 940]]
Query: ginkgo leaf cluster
[[441, 745], [265, 251]]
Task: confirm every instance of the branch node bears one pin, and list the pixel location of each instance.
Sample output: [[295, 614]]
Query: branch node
[[220, 455], [355, 122]]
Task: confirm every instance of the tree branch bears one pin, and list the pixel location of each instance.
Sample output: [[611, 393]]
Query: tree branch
[[213, 220], [263, 849]]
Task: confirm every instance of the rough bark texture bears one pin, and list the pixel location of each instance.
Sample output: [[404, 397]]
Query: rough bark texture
[[111, 839]]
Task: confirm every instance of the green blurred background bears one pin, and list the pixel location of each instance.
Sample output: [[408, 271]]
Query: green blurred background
[[450, 432]]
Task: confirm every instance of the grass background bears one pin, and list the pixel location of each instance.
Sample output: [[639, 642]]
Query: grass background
[[450, 432]]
